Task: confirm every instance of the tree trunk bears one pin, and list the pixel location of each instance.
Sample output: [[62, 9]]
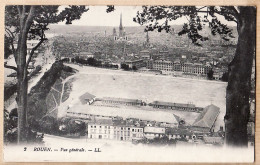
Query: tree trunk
[[22, 87], [239, 81]]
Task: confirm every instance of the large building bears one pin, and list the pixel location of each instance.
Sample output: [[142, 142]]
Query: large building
[[107, 129], [175, 106], [123, 101], [145, 54], [149, 64], [163, 65], [194, 68], [86, 55], [173, 133], [137, 63], [153, 132], [165, 119], [206, 120]]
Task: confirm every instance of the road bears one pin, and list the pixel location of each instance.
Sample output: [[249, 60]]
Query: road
[[50, 59]]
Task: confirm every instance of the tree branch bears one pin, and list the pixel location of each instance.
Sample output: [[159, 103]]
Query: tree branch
[[12, 39], [29, 19], [32, 51], [22, 16], [201, 8], [10, 67], [233, 12], [19, 9]]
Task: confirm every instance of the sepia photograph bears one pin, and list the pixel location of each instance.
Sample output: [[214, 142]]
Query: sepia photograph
[[129, 83]]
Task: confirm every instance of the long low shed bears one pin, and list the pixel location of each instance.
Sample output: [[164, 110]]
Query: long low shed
[[163, 117]]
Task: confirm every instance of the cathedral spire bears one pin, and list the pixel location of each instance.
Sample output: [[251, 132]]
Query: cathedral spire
[[121, 27]]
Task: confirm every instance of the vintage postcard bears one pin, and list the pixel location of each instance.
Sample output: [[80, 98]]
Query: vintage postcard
[[129, 83]]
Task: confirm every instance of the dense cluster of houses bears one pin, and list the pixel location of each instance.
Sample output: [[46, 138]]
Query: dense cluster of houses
[[177, 67], [132, 121], [162, 62]]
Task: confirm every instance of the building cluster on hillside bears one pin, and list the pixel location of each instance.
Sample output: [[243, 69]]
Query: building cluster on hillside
[[158, 60], [176, 67], [136, 120]]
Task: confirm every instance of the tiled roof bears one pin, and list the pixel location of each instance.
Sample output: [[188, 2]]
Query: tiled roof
[[174, 131], [207, 117], [177, 118], [121, 99], [102, 121], [154, 130], [131, 61], [125, 112], [85, 97], [173, 104]]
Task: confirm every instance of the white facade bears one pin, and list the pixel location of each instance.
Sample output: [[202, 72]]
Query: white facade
[[153, 132], [103, 131], [163, 65]]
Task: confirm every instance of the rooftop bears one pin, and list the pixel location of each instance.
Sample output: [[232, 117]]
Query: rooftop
[[102, 121], [136, 60], [154, 130], [121, 99], [173, 104], [125, 112], [174, 131], [164, 61], [85, 97], [207, 117]]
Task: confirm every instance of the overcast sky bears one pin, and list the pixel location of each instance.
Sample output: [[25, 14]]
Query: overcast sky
[[97, 16]]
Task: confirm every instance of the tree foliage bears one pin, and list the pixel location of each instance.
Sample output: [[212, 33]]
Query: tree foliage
[[240, 68], [125, 66], [69, 126], [159, 18], [34, 21], [24, 23], [210, 74]]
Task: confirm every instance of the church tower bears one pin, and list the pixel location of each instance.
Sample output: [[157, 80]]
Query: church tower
[[121, 29], [114, 34], [122, 35]]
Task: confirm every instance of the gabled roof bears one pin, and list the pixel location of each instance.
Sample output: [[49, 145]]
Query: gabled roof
[[178, 131], [173, 104], [154, 130], [86, 97], [207, 117], [102, 121], [125, 113], [121, 100], [177, 118]]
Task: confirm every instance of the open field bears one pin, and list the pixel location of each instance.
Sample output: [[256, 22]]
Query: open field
[[117, 83]]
